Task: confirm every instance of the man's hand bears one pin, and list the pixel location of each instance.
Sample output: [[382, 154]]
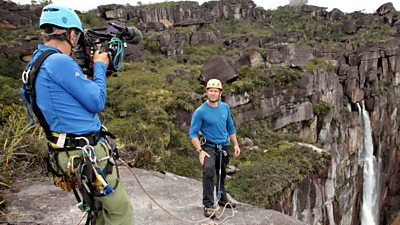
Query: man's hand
[[102, 57], [202, 155], [237, 150]]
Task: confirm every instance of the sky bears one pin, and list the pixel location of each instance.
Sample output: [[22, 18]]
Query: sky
[[347, 6]]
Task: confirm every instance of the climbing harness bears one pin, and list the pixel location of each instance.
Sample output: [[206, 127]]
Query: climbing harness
[[87, 180], [84, 172]]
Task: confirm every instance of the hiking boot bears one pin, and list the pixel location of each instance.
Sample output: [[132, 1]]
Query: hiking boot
[[209, 211], [228, 204]]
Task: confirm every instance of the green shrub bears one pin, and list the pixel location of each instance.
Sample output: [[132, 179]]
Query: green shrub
[[237, 29], [9, 90], [151, 44], [322, 108], [319, 63], [286, 75], [198, 55], [11, 66], [23, 146], [12, 36], [91, 21]]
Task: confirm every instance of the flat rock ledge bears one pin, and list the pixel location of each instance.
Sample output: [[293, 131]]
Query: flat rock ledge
[[40, 202]]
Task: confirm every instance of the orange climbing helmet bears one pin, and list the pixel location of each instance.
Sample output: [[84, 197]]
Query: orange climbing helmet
[[214, 83]]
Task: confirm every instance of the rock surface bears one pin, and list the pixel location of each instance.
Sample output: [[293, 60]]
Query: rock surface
[[40, 202]]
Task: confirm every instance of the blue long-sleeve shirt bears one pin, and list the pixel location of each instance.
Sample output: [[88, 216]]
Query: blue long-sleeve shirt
[[215, 123], [68, 100]]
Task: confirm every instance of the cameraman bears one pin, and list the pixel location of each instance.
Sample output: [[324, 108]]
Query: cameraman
[[69, 103]]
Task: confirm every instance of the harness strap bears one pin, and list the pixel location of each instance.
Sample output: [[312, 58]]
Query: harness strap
[[29, 78], [212, 144], [71, 141]]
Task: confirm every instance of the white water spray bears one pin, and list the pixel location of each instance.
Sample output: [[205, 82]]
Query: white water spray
[[294, 200], [370, 201]]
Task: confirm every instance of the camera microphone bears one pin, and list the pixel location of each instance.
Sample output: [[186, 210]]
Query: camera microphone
[[132, 35]]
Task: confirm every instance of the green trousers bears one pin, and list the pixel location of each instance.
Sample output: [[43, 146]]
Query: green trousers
[[114, 208]]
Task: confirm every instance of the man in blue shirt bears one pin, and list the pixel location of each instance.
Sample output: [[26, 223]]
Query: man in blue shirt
[[69, 104], [213, 119]]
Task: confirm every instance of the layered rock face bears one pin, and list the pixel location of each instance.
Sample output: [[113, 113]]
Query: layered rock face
[[368, 76], [334, 196], [184, 12]]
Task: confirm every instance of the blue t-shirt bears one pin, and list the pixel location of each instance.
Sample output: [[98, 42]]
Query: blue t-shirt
[[68, 100], [215, 123]]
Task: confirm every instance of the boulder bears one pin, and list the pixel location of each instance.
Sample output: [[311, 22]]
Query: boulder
[[350, 27], [296, 36], [173, 43], [111, 12], [198, 38], [134, 53], [315, 11], [250, 59], [385, 8], [13, 20], [274, 56], [391, 18], [243, 42], [218, 68], [335, 15], [155, 26]]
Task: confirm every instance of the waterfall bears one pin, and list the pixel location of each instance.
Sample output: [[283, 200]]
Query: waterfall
[[294, 201], [371, 190]]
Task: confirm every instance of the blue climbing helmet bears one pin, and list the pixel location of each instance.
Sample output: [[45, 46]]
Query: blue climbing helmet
[[60, 16]]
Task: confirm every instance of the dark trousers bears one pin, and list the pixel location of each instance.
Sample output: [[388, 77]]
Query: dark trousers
[[211, 167]]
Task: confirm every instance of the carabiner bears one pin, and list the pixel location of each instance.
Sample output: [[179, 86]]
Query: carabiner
[[203, 141], [84, 138], [25, 75], [71, 164]]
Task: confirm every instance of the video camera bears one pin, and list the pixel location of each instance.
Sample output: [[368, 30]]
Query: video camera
[[112, 39]]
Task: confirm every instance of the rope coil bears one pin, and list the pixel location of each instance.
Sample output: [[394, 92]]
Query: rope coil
[[118, 46]]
